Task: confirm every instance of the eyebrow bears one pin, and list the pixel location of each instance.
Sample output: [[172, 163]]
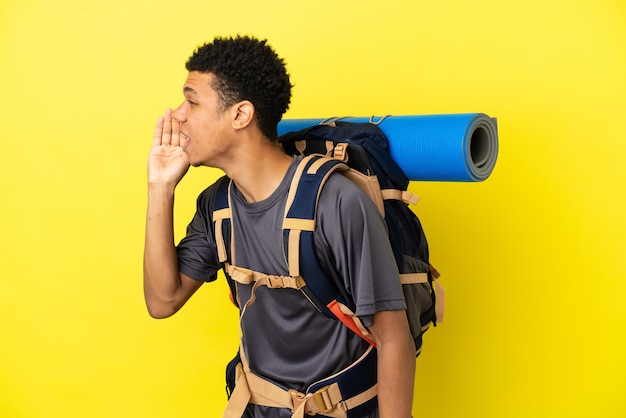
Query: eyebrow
[[190, 91]]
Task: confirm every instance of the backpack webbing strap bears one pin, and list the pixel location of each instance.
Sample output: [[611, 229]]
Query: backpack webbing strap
[[222, 219], [247, 276], [403, 195], [413, 278]]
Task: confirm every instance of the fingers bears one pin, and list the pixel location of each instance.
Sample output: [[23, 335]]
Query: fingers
[[175, 138], [166, 137], [167, 130], [158, 132]]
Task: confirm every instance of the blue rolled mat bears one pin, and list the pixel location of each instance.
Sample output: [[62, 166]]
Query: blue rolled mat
[[454, 147]]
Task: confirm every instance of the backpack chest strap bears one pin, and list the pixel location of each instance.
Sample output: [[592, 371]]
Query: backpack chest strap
[[257, 279], [247, 276]]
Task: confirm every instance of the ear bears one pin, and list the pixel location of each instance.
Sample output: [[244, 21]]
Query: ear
[[244, 113]]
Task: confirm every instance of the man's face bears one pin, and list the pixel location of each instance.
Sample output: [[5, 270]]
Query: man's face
[[204, 126]]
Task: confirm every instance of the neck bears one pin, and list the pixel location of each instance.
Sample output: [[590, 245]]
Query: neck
[[259, 170]]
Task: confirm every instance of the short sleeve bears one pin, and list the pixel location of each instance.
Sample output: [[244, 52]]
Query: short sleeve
[[354, 243], [197, 251]]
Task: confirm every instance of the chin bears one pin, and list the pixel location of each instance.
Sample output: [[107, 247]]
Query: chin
[[193, 163]]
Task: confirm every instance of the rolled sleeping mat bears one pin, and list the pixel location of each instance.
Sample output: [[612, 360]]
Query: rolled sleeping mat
[[454, 147]]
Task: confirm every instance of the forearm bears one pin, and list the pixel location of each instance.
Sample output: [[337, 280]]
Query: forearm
[[162, 281], [165, 289]]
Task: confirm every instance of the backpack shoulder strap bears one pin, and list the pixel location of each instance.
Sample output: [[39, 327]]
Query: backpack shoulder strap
[[222, 218], [223, 233], [299, 244], [301, 206]]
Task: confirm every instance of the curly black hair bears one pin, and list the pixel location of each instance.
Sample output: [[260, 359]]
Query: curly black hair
[[246, 68]]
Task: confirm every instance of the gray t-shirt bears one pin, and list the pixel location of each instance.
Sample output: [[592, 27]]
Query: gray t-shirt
[[285, 338]]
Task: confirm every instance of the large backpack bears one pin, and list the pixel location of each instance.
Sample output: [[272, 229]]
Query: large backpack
[[360, 151], [365, 150]]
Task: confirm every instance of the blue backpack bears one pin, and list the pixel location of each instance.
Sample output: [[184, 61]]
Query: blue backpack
[[360, 151]]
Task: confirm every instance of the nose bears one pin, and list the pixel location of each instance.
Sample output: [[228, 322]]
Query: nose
[[180, 113]]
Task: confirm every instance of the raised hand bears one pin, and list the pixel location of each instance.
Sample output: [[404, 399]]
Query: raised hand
[[167, 163]]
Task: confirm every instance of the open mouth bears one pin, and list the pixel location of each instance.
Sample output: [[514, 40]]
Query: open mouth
[[187, 140]]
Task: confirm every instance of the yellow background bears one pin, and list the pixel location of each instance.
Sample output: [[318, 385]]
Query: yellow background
[[532, 259]]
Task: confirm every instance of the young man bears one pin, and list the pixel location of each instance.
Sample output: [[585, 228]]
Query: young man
[[235, 94]]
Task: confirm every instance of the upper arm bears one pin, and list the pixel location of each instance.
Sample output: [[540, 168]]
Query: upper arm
[[396, 363], [390, 326], [197, 251]]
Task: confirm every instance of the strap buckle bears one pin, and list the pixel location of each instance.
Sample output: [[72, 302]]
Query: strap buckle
[[323, 401], [285, 282], [341, 152]]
